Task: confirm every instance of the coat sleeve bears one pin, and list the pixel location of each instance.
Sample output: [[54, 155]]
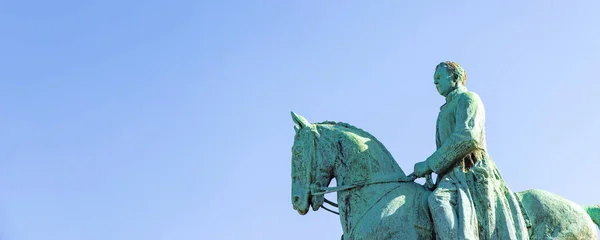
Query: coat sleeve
[[469, 117]]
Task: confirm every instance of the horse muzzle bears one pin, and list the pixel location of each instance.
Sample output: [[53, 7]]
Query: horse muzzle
[[301, 206]]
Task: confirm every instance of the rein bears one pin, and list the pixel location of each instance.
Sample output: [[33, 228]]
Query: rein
[[314, 190], [324, 190]]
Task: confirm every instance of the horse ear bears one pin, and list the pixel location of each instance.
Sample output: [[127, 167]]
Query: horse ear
[[300, 120], [296, 128]]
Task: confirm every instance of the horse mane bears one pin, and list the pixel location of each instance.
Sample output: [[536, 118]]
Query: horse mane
[[354, 129], [346, 125], [341, 126]]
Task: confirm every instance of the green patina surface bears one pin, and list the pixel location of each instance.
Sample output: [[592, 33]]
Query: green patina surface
[[377, 200]]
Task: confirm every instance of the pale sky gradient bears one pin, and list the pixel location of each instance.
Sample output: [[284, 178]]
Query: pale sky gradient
[[162, 120]]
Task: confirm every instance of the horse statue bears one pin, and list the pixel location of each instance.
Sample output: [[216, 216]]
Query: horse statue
[[376, 200]]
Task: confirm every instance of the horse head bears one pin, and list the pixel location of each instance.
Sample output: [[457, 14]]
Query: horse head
[[310, 168]]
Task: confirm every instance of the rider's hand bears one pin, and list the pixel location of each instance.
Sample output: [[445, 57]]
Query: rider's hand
[[421, 169]]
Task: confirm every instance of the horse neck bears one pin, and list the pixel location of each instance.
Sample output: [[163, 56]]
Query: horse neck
[[355, 203], [362, 159]]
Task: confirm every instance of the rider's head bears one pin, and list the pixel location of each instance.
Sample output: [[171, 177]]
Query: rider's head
[[455, 70], [448, 76]]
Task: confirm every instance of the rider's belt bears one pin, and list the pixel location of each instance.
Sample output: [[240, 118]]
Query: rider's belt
[[467, 162]]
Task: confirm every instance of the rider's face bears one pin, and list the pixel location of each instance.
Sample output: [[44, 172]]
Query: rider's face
[[443, 81]]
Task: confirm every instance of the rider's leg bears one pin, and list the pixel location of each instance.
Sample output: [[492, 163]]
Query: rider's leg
[[442, 205]]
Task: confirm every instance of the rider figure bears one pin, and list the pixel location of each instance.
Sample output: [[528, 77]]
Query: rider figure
[[471, 199]]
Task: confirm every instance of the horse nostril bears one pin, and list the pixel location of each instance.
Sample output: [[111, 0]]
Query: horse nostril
[[296, 199]]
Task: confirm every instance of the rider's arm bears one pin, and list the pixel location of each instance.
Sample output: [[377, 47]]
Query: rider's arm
[[468, 131]]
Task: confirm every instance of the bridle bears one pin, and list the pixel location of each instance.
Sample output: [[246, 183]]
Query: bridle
[[315, 190]]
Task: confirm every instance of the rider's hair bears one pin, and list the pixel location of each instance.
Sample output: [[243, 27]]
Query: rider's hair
[[455, 70]]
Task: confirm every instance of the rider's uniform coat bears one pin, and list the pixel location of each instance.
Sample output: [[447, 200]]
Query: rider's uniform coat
[[471, 200]]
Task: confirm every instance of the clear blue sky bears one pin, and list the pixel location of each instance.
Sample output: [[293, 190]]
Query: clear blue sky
[[170, 120]]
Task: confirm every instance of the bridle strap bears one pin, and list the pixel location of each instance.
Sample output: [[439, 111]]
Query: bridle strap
[[329, 210], [330, 202], [324, 190]]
